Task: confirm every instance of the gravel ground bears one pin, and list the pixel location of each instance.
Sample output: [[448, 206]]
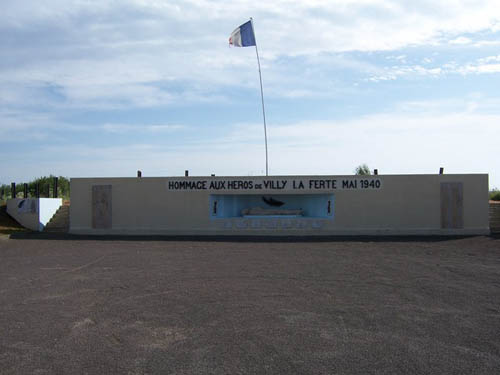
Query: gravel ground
[[86, 306]]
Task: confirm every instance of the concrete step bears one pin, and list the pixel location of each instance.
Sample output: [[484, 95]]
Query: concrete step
[[60, 221], [494, 217]]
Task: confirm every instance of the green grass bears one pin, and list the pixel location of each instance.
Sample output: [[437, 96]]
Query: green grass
[[495, 195]]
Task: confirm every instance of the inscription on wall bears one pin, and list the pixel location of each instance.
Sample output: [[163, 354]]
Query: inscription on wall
[[274, 223], [252, 184]]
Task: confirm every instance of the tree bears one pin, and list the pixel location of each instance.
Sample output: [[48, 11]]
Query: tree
[[46, 185], [362, 170]]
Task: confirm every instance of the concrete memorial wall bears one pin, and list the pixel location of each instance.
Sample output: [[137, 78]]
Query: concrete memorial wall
[[33, 213], [282, 205]]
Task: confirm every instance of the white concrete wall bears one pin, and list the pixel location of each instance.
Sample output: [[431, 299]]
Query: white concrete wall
[[34, 213], [48, 207], [403, 204]]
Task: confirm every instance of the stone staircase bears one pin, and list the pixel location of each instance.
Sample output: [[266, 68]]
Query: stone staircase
[[495, 217], [60, 221]]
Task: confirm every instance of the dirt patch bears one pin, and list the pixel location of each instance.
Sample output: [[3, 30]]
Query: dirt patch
[[7, 224]]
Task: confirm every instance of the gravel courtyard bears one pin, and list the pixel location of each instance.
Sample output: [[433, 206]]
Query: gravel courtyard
[[152, 306]]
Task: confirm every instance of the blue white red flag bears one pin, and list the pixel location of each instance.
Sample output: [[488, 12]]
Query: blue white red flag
[[243, 36]]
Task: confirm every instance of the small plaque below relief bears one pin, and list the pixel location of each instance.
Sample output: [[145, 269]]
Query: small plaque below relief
[[301, 224], [271, 224], [255, 224], [317, 224], [241, 224], [286, 224]]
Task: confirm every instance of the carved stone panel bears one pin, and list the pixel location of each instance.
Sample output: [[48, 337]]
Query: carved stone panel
[[101, 207], [452, 205]]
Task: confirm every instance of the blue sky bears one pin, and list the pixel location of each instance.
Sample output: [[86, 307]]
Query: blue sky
[[104, 88]]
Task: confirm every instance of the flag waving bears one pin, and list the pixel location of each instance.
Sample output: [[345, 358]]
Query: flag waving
[[243, 36]]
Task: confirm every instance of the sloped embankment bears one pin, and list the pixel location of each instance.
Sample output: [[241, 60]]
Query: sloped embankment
[[7, 224], [495, 217], [60, 221]]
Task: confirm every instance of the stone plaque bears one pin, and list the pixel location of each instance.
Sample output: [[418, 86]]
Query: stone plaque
[[101, 206], [452, 205]]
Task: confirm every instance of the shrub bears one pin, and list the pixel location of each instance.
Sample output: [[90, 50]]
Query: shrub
[[46, 183], [362, 170], [495, 195]]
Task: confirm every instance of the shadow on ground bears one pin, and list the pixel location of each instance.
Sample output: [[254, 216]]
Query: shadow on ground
[[29, 235]]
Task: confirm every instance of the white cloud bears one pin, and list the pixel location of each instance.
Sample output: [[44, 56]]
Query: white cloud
[[485, 65], [158, 40], [126, 128], [413, 140], [460, 40], [489, 59], [65, 57], [396, 72], [480, 69], [109, 54]]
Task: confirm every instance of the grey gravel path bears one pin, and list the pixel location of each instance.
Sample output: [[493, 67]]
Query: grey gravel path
[[207, 307]]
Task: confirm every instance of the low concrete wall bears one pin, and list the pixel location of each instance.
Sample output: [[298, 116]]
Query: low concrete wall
[[365, 205], [33, 213]]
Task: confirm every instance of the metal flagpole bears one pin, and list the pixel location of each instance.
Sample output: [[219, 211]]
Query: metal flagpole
[[261, 95]]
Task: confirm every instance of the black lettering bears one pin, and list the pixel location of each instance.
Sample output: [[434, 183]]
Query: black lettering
[[217, 185]]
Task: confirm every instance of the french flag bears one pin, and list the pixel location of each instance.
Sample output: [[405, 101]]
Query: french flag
[[243, 36]]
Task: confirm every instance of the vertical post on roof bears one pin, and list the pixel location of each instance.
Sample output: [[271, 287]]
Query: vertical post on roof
[[54, 192], [261, 95]]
